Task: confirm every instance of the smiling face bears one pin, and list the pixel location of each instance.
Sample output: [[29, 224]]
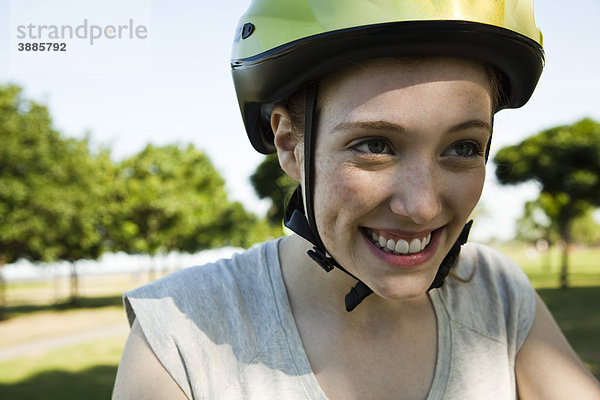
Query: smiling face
[[399, 166]]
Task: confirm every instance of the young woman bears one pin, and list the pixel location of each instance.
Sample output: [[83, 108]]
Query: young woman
[[383, 112]]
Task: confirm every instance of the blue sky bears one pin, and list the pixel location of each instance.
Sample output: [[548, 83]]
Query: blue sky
[[178, 89]]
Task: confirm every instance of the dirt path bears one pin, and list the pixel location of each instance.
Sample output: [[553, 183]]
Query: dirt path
[[41, 346]]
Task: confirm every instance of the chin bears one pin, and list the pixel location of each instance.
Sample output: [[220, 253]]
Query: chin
[[401, 288], [400, 277]]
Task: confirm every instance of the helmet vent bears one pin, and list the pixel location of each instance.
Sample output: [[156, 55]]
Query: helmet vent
[[247, 30]]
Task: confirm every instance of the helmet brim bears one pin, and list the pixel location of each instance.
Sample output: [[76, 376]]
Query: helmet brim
[[274, 75]]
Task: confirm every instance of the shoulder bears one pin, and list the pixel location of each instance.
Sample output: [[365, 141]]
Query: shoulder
[[187, 316], [212, 287], [491, 295], [491, 272]]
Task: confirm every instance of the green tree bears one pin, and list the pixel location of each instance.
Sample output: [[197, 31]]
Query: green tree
[[172, 198], [270, 182], [586, 230], [535, 224], [50, 188], [565, 161], [83, 199], [61, 201]]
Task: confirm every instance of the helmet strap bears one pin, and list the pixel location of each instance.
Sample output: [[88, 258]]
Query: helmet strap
[[306, 225], [310, 111], [296, 220], [450, 259]]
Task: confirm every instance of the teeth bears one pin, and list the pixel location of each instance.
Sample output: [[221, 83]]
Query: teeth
[[401, 246], [415, 246], [391, 245]]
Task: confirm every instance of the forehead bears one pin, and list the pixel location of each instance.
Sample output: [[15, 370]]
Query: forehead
[[417, 87]]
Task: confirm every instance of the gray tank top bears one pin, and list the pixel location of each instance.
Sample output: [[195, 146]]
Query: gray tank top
[[225, 330]]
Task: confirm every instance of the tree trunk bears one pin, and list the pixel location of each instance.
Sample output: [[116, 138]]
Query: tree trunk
[[564, 267], [74, 284], [566, 249]]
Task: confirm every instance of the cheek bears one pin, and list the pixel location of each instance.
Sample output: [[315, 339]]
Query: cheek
[[341, 195], [464, 190], [344, 187]]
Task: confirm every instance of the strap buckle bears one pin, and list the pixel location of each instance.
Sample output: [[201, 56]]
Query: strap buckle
[[321, 258]]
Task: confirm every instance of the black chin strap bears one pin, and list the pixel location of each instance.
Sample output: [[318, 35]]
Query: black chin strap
[[450, 259], [306, 226], [318, 253], [298, 223]]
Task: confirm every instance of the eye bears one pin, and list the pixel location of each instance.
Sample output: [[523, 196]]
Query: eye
[[465, 150], [373, 146]]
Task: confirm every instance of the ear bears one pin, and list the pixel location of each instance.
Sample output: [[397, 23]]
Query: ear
[[288, 144]]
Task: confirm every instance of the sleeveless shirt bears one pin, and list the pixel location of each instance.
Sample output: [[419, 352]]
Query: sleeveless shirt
[[225, 330]]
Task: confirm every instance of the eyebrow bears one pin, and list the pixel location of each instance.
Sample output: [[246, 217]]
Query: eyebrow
[[369, 125], [471, 124], [390, 126]]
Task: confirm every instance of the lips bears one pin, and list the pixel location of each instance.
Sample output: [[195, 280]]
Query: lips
[[424, 245]]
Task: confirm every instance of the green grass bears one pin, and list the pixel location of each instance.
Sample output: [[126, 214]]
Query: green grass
[[86, 371], [58, 290], [32, 326], [576, 311], [543, 270]]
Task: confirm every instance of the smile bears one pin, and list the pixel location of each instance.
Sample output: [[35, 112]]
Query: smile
[[398, 246]]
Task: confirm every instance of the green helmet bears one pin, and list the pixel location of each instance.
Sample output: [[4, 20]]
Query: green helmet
[[280, 46]]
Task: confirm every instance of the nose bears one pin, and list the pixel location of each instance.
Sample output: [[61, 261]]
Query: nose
[[417, 193]]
